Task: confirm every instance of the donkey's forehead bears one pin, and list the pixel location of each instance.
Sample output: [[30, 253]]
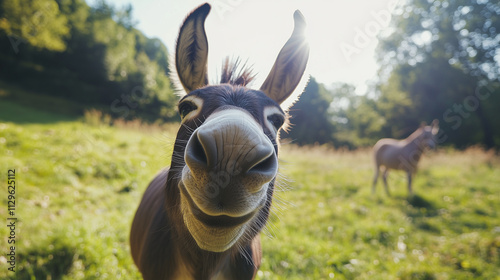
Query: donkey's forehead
[[214, 97]]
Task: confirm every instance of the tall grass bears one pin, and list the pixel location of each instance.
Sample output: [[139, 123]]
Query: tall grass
[[79, 184]]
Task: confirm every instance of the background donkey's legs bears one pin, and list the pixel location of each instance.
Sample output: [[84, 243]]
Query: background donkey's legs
[[375, 178], [384, 176], [410, 191]]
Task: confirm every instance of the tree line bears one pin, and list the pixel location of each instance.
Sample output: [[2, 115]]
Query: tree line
[[91, 55], [441, 61]]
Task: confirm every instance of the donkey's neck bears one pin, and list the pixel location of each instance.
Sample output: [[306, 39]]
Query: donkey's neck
[[414, 135], [414, 138], [412, 148], [190, 259]]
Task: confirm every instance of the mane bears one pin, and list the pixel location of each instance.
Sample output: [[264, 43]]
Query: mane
[[232, 73]]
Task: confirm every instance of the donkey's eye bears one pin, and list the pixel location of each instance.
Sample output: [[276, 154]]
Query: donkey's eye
[[277, 120], [186, 107]]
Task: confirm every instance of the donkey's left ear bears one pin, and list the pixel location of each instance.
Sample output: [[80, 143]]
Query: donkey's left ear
[[290, 64]]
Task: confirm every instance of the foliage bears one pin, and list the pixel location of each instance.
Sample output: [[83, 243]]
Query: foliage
[[309, 117], [439, 62], [78, 185], [442, 57], [106, 63], [466, 33], [37, 21], [356, 120]]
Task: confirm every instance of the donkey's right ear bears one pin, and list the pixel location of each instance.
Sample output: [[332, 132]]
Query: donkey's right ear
[[435, 126], [191, 51]]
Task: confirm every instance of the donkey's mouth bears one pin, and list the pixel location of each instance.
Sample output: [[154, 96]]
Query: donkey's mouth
[[215, 221], [215, 233], [220, 221]]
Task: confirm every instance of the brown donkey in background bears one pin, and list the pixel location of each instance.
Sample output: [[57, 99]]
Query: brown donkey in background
[[403, 154], [201, 218]]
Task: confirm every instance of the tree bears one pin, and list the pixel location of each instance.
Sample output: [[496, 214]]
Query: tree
[[310, 119], [356, 119], [441, 56], [464, 32], [105, 63], [39, 22]]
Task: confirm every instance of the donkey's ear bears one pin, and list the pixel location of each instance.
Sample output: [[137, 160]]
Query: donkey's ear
[[290, 64], [191, 51], [435, 126]]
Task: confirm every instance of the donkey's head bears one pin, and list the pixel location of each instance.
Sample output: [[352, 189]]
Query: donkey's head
[[226, 147], [428, 134]]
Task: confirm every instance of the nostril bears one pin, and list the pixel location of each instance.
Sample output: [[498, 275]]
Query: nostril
[[268, 165], [195, 153]]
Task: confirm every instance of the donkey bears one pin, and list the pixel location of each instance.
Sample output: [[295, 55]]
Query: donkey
[[201, 218], [403, 154]]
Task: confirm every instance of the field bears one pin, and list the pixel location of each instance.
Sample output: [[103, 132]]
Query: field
[[78, 183]]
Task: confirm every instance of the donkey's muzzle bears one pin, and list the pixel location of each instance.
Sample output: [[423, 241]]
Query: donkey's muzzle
[[228, 150], [236, 146], [230, 161]]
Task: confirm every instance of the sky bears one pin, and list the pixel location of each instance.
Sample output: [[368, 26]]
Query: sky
[[342, 34]]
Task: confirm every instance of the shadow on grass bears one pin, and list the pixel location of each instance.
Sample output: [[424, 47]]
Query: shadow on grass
[[418, 201], [420, 209], [21, 105], [46, 263], [16, 113], [348, 190], [418, 275]]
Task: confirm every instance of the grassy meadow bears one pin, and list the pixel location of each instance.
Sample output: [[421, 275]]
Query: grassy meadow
[[79, 182]]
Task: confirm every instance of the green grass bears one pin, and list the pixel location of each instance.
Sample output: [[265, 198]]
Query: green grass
[[332, 227], [79, 184]]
